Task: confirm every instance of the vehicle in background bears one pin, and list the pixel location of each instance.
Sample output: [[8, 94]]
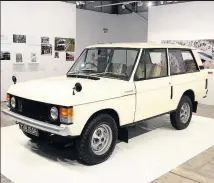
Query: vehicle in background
[[207, 59]]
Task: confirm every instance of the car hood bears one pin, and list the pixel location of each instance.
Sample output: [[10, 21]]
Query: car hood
[[59, 90]]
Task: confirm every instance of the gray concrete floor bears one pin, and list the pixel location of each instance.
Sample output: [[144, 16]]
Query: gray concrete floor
[[199, 169]]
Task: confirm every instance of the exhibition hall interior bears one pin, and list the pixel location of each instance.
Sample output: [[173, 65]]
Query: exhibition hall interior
[[107, 91]]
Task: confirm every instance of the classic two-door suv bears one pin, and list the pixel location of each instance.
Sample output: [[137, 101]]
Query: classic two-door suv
[[109, 87]]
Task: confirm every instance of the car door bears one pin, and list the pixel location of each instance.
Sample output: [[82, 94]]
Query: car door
[[153, 85], [185, 74]]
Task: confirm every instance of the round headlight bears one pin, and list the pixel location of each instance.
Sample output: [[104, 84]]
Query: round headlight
[[54, 113], [13, 102]]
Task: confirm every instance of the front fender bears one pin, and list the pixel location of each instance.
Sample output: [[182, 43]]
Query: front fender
[[124, 106]]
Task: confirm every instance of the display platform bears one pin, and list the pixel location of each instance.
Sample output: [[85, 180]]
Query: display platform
[[145, 158]]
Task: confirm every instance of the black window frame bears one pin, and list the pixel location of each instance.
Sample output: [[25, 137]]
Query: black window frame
[[183, 49], [142, 54]]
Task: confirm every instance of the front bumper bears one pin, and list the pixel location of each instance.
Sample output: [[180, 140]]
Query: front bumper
[[59, 130]]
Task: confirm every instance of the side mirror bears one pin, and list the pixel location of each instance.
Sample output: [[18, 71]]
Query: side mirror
[[14, 79], [77, 87]]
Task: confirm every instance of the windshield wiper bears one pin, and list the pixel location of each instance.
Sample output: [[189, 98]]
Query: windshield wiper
[[88, 70], [74, 72], [83, 76], [114, 74]]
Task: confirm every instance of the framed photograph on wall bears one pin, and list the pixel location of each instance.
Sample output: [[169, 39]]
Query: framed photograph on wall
[[64, 44], [18, 58], [56, 55], [69, 56], [5, 39], [5, 55], [46, 49], [18, 38], [33, 58], [33, 41], [45, 40]]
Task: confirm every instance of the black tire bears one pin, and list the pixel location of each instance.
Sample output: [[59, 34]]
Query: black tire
[[175, 116], [42, 136], [83, 146]]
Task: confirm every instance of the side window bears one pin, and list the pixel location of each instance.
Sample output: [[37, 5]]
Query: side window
[[153, 64], [126, 58], [189, 62], [156, 63], [181, 61]]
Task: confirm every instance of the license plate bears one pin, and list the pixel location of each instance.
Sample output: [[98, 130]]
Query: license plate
[[29, 129]]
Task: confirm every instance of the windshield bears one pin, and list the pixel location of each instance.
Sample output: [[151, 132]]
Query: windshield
[[106, 62]]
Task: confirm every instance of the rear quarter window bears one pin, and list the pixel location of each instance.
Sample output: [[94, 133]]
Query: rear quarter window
[[182, 61]]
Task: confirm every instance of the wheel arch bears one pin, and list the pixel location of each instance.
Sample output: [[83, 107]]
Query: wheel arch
[[190, 93], [109, 111]]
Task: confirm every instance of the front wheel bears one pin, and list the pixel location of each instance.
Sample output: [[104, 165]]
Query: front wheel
[[180, 119], [98, 140]]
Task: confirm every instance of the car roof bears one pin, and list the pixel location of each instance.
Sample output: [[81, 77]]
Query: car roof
[[139, 45]]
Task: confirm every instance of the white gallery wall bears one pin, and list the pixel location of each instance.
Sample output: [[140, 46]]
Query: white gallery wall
[[59, 19], [121, 28], [37, 19], [90, 26], [183, 21]]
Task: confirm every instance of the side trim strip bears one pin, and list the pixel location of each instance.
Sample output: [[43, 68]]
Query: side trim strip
[[136, 122]]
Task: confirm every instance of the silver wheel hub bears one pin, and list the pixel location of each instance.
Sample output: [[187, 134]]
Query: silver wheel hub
[[185, 113], [101, 139]]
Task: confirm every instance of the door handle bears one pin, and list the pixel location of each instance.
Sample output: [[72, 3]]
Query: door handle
[[171, 92], [129, 91]]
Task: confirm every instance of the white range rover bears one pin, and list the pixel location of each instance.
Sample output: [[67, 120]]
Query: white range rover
[[109, 87]]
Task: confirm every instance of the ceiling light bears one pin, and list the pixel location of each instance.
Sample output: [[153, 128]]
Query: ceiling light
[[140, 3], [149, 4], [161, 2], [81, 2]]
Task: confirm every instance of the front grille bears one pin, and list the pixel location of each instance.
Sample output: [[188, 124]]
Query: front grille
[[35, 110]]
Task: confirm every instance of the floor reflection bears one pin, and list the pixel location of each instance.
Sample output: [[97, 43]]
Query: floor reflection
[[62, 149]]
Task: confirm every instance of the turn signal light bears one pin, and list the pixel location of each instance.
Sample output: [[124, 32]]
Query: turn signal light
[[8, 97], [8, 100], [66, 115], [66, 112]]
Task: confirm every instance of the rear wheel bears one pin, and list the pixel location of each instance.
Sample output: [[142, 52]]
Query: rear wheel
[[98, 140], [180, 119]]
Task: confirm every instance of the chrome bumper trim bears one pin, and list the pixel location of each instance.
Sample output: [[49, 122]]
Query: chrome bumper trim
[[63, 131]]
